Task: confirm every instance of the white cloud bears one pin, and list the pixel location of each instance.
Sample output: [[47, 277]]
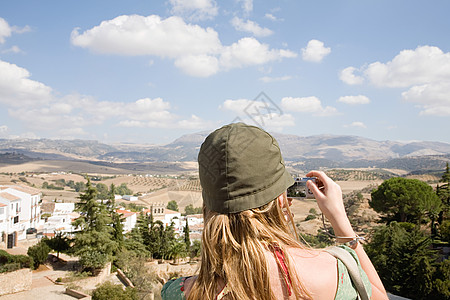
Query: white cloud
[[194, 123], [263, 114], [425, 64], [3, 129], [356, 124], [272, 17], [433, 98], [315, 51], [250, 26], [268, 79], [139, 35], [196, 51], [247, 5], [354, 100], [249, 51], [310, 105], [19, 30], [195, 9], [425, 71], [198, 65], [347, 75], [34, 104], [13, 49], [5, 30], [16, 89]]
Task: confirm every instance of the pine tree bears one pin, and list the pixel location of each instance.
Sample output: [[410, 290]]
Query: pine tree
[[116, 218], [93, 242]]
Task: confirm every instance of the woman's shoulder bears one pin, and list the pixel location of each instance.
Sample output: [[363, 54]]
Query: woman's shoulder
[[317, 269]]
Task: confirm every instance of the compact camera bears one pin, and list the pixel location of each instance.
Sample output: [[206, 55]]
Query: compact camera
[[299, 190]]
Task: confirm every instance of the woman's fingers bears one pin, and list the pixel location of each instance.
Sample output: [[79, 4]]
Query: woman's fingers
[[314, 189]]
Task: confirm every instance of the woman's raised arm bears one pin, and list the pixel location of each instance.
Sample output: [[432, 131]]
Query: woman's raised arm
[[329, 199]]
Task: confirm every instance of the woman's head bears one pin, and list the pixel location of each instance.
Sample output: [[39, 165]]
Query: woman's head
[[244, 183], [241, 168]]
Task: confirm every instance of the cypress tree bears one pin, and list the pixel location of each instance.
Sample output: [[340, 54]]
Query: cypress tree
[[187, 240]]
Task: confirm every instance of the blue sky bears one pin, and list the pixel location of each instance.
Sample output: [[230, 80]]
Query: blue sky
[[150, 71]]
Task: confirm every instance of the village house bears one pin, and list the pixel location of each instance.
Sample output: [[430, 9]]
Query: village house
[[130, 219], [166, 216], [195, 223], [19, 211], [61, 217]]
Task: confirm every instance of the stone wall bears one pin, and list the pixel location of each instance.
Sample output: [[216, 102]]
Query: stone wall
[[91, 282], [14, 282]]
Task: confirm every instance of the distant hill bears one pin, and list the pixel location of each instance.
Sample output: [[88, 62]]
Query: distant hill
[[305, 153], [14, 158]]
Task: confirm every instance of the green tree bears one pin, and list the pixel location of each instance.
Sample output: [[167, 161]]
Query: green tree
[[123, 190], [445, 231], [39, 253], [144, 280], [403, 257], [191, 210], [59, 243], [176, 249], [111, 291], [80, 187], [172, 205], [187, 240], [443, 192], [93, 242], [116, 218], [441, 283], [196, 248], [102, 191], [405, 200]]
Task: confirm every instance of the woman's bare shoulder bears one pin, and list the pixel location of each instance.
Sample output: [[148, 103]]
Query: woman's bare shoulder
[[317, 269]]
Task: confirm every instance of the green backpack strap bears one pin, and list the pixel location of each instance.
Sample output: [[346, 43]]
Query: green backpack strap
[[350, 263]]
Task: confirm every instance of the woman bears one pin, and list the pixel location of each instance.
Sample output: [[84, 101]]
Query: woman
[[248, 249]]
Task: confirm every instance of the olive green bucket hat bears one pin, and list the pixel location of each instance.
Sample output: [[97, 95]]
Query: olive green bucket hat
[[240, 168]]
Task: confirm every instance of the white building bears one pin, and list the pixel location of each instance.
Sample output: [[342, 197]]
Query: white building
[[166, 216], [61, 219], [3, 219], [172, 216], [130, 219], [63, 208], [20, 211], [130, 198]]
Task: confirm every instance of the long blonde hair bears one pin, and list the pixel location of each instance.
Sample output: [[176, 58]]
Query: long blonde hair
[[233, 251]]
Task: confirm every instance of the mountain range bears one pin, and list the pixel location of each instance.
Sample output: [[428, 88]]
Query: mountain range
[[318, 150]]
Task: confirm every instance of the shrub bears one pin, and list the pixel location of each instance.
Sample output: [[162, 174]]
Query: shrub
[[9, 262], [25, 261], [9, 267], [39, 253], [110, 291], [445, 231], [310, 217]]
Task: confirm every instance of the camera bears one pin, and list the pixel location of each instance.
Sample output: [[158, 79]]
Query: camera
[[299, 190]]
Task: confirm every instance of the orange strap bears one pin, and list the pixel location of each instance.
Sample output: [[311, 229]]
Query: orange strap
[[281, 262]]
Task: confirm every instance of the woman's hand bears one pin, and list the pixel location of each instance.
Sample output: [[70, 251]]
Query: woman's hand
[[328, 195], [329, 198]]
